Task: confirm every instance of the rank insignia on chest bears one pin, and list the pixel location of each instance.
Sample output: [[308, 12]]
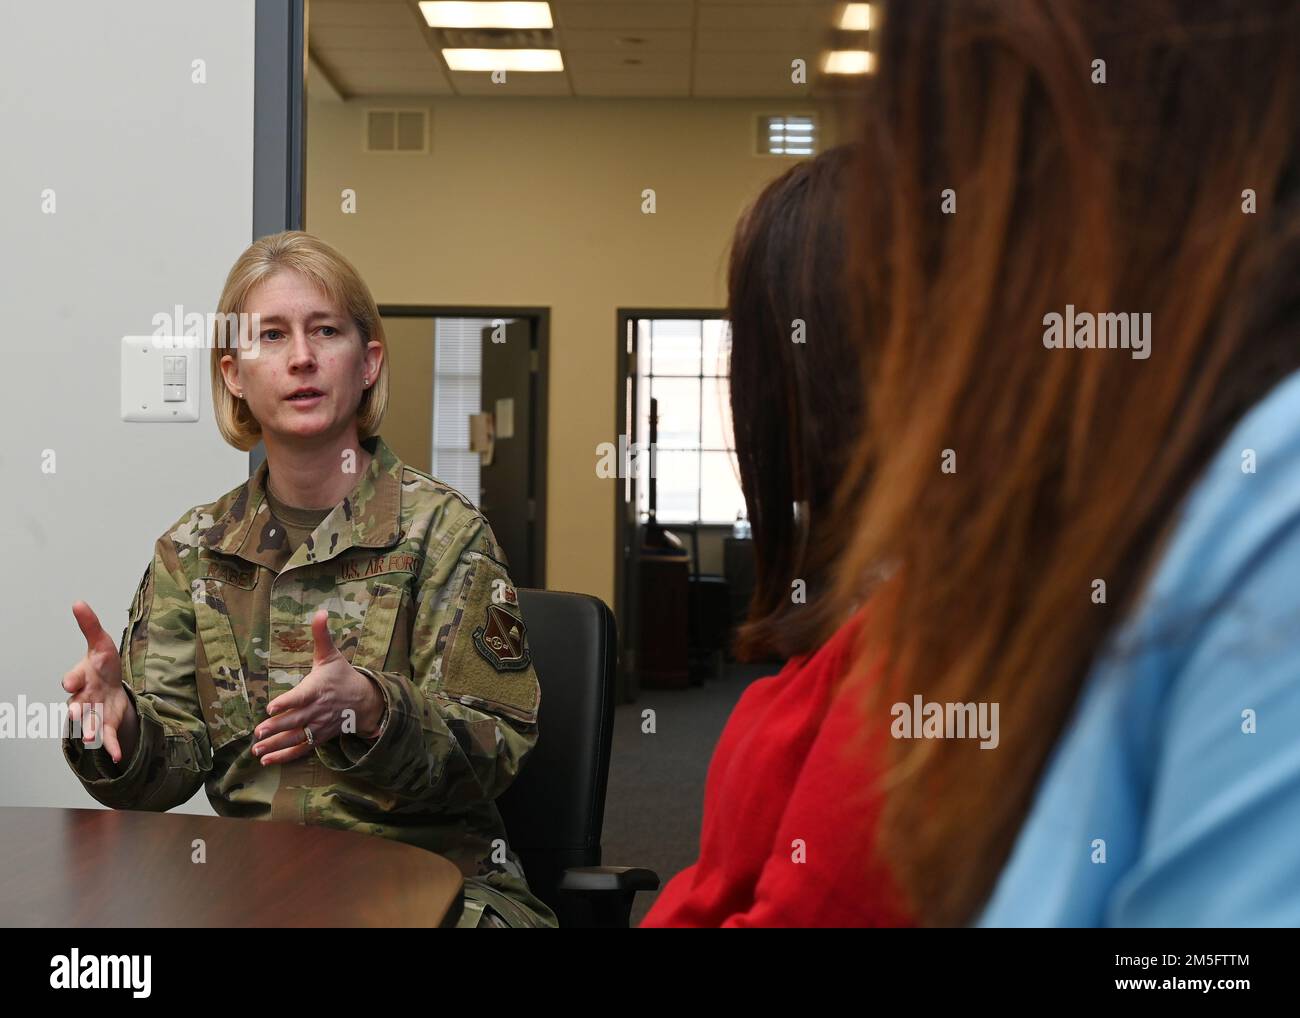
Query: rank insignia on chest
[[501, 640]]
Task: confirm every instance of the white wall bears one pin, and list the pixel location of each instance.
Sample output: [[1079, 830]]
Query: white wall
[[153, 183]]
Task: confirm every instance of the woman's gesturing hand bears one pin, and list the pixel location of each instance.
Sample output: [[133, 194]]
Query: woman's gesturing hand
[[319, 701], [95, 683]]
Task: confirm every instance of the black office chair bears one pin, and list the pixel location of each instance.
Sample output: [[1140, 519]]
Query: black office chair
[[555, 809]]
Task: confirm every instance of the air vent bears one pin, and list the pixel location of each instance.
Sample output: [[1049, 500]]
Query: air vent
[[397, 131], [787, 136]]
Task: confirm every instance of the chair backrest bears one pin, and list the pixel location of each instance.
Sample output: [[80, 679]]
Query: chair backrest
[[555, 808]]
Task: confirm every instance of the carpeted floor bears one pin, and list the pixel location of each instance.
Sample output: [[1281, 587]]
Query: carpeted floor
[[656, 782]]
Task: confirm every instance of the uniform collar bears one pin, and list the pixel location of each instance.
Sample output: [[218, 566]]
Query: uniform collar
[[367, 517]]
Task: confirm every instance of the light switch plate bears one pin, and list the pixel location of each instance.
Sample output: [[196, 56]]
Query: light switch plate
[[144, 386]]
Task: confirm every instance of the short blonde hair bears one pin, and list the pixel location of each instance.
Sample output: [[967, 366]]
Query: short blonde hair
[[336, 276]]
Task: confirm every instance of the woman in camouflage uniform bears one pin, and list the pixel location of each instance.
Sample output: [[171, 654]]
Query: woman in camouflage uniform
[[362, 664]]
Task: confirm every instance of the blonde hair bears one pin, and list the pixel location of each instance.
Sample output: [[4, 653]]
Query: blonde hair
[[336, 276]]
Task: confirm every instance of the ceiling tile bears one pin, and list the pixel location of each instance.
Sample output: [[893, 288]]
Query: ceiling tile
[[760, 41], [601, 84], [649, 63], [394, 83], [660, 14], [732, 48], [574, 39], [371, 14], [380, 60], [786, 16], [740, 74], [516, 83], [341, 37]]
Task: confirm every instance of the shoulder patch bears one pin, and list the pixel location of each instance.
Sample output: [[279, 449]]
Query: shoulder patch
[[502, 640], [488, 663]]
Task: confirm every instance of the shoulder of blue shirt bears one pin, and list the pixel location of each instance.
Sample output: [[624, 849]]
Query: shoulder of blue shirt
[[1187, 722]]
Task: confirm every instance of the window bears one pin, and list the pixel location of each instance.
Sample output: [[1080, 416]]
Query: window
[[682, 364], [457, 393]]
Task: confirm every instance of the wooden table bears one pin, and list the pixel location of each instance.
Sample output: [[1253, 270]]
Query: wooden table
[[122, 868]]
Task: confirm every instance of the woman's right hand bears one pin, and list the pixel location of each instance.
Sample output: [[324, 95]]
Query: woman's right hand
[[97, 679]]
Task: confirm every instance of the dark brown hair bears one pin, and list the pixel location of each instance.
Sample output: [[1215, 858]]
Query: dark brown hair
[[1125, 196], [795, 397]]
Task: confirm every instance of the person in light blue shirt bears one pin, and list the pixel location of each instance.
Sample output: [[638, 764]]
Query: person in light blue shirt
[[1173, 796], [1074, 508]]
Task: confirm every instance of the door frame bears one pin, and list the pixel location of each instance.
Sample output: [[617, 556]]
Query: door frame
[[541, 317], [625, 601], [279, 127], [279, 115]]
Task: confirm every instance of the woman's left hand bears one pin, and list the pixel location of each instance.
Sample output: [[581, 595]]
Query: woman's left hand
[[319, 701]]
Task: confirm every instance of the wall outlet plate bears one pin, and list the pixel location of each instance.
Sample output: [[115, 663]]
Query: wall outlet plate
[[146, 382]]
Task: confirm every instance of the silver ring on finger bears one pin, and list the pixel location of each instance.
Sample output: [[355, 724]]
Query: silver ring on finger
[[311, 740]]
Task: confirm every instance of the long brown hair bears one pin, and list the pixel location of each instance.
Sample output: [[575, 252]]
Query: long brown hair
[[794, 393], [1131, 195]]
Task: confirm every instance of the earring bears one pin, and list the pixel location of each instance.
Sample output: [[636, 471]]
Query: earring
[[241, 393]]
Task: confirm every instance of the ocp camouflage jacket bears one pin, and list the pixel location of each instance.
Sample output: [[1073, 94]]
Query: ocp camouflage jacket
[[419, 600]]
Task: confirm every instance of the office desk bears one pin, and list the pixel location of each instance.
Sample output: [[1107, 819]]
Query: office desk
[[119, 868]]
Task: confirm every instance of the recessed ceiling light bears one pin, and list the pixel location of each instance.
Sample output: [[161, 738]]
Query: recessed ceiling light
[[849, 61], [440, 14], [503, 59], [855, 18]]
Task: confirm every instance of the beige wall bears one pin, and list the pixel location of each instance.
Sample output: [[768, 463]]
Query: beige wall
[[538, 202], [408, 424]]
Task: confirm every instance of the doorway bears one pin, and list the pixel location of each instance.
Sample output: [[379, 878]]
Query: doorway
[[684, 480], [472, 385]]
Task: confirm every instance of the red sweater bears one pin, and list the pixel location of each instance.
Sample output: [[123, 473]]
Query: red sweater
[[789, 818]]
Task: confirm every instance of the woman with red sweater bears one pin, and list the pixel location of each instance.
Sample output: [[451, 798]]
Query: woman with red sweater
[[789, 808]]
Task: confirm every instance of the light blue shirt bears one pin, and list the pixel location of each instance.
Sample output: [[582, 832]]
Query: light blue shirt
[[1199, 819]]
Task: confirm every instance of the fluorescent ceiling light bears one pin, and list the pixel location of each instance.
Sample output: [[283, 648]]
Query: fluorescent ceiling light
[[503, 59], [849, 61], [856, 18], [486, 15]]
